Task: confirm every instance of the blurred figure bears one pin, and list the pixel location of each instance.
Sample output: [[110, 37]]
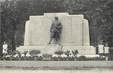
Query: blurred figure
[[55, 31], [5, 48]]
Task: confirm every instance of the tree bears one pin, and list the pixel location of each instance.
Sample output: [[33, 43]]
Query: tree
[[14, 12]]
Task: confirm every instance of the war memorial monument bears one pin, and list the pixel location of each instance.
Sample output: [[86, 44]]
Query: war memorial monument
[[74, 34], [53, 32]]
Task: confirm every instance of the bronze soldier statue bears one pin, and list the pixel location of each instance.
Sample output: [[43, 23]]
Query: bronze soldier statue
[[55, 31]]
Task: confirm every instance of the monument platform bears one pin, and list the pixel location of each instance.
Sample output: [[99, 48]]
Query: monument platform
[[50, 49]]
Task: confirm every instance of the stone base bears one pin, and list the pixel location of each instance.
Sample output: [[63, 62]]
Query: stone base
[[50, 49]]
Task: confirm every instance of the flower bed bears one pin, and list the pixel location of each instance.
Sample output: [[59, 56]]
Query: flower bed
[[36, 55]]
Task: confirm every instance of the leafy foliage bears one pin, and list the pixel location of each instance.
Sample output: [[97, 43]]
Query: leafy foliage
[[34, 52], [59, 52]]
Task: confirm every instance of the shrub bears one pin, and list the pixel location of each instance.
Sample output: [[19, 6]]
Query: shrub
[[34, 52], [67, 52], [75, 52], [59, 52], [47, 57], [82, 58]]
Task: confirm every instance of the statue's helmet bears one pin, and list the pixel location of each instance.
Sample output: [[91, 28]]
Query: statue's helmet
[[56, 18]]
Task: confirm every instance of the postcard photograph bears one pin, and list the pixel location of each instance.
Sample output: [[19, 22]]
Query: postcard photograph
[[60, 36]]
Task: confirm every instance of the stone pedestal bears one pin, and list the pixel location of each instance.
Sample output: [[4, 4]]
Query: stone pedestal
[[50, 49], [75, 33]]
